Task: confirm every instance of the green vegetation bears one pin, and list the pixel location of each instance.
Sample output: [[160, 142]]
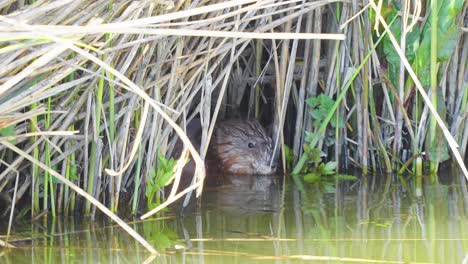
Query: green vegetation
[[315, 169], [158, 179]]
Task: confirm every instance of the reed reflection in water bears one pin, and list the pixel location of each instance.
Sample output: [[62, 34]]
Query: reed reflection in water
[[266, 218]]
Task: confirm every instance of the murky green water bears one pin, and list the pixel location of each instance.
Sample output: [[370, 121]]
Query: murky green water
[[261, 220]]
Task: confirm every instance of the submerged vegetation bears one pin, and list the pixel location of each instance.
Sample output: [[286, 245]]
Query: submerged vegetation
[[94, 94]]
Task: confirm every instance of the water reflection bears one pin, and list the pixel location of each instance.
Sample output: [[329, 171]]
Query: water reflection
[[242, 195], [261, 219]]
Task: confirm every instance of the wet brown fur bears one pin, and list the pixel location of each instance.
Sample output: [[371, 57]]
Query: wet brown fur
[[242, 147], [230, 151]]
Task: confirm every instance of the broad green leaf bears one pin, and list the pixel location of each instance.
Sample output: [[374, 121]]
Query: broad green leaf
[[392, 57], [316, 155], [328, 168], [448, 35], [320, 107]]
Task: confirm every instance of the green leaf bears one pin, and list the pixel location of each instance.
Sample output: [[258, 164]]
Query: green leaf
[[164, 180], [159, 178], [328, 168], [316, 155], [320, 107], [390, 54], [162, 161], [448, 35], [9, 131]]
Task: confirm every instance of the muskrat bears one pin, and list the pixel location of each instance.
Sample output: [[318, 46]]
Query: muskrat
[[236, 147], [242, 147]]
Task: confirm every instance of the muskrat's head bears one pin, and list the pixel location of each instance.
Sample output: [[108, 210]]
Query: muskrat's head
[[243, 147]]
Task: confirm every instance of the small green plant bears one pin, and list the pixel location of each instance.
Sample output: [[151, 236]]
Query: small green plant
[[315, 169], [158, 179]]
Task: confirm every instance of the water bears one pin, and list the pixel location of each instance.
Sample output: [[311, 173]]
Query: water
[[262, 220]]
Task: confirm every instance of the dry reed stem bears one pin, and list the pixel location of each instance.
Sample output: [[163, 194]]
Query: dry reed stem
[[61, 31], [40, 133], [158, 62], [6, 244]]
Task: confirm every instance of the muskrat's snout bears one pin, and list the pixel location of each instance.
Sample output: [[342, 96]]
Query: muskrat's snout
[[265, 165], [265, 169], [274, 166]]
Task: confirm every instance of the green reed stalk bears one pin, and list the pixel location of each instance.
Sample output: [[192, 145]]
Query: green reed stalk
[[45, 194], [138, 168], [70, 170], [70, 174], [66, 191], [416, 117], [111, 124], [136, 188], [433, 66], [35, 169], [73, 171], [365, 115], [48, 179], [97, 127], [111, 108], [464, 103], [338, 84]]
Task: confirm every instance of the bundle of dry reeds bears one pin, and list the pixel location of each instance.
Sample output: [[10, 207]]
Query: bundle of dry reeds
[[92, 93]]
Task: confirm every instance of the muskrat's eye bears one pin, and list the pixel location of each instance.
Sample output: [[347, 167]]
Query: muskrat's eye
[[251, 145]]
